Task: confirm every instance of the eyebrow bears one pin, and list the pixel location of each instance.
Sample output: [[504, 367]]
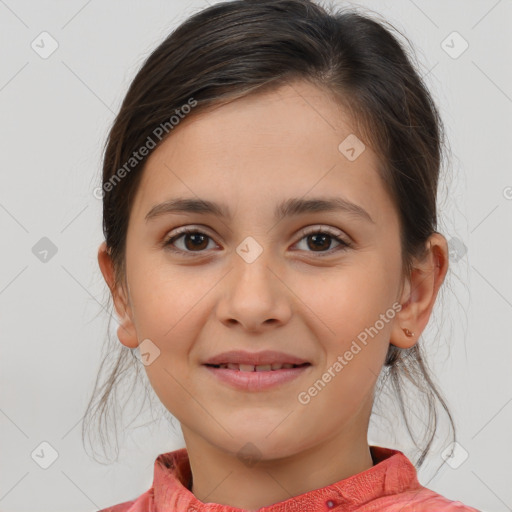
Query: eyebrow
[[287, 208]]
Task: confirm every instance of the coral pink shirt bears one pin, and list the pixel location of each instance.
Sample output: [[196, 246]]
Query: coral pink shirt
[[391, 485]]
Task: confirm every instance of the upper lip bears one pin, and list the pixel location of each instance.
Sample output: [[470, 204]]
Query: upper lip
[[254, 358]]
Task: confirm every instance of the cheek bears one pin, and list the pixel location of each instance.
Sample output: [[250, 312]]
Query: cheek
[[353, 318], [166, 298], [353, 297]]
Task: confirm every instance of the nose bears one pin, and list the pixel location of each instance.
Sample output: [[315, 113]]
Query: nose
[[254, 296]]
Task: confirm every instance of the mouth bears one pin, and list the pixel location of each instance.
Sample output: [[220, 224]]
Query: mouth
[[256, 378], [257, 368]]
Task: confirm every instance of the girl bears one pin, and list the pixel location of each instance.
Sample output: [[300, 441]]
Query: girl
[[269, 211]]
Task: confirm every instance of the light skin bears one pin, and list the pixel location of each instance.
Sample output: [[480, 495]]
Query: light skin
[[302, 295]]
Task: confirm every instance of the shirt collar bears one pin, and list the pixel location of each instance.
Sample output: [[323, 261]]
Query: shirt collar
[[392, 473]]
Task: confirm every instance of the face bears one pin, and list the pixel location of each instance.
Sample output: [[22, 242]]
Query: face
[[312, 283]]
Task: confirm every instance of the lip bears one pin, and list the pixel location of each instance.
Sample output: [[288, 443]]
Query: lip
[[257, 380], [255, 358]]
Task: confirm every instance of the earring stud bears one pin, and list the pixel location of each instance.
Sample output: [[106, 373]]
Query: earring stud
[[407, 332]]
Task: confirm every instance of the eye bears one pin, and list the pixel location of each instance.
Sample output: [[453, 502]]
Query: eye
[[192, 239], [196, 241], [321, 238]]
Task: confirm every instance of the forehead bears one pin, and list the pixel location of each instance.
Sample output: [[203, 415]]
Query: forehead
[[289, 142]]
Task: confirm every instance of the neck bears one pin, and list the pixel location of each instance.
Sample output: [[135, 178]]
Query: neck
[[220, 477]]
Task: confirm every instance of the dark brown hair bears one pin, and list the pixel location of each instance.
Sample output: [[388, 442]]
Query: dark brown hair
[[241, 47]]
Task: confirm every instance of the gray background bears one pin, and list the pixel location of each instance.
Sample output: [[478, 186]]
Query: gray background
[[55, 114]]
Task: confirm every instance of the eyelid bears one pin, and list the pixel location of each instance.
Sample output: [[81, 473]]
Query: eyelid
[[303, 232], [189, 228], [322, 229]]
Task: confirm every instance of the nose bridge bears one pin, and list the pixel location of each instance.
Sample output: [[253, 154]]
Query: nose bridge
[[255, 293], [252, 274]]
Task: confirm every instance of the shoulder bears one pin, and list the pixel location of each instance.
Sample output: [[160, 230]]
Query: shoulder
[[421, 500], [434, 501]]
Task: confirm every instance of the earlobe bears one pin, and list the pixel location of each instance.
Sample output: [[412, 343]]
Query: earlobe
[[126, 333], [402, 336], [419, 294], [126, 330]]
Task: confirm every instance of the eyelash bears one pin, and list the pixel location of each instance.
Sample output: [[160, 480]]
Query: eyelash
[[344, 245]]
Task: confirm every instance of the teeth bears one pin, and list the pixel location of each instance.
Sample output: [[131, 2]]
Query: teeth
[[258, 368], [263, 368]]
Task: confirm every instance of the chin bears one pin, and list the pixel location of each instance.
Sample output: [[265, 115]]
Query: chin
[[250, 445]]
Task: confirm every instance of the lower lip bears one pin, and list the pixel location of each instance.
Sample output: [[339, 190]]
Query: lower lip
[[257, 381]]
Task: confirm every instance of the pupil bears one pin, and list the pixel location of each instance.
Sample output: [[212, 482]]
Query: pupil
[[196, 240], [323, 237]]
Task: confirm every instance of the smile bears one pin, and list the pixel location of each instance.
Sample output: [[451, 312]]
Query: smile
[[257, 368], [248, 377]]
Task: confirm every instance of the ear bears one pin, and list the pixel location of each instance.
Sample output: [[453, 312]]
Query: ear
[[420, 291], [126, 331]]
